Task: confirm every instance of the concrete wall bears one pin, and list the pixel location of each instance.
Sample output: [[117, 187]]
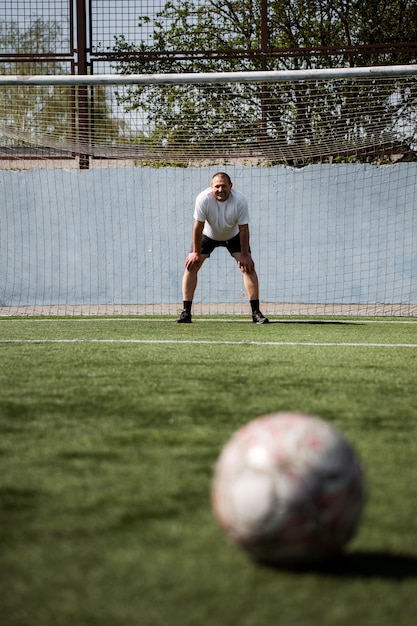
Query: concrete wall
[[321, 234]]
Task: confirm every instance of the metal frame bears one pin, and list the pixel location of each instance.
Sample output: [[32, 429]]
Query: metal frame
[[82, 58], [272, 76]]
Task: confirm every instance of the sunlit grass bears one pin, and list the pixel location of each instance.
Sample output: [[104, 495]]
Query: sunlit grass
[[106, 455]]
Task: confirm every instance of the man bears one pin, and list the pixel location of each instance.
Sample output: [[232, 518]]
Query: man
[[221, 218]]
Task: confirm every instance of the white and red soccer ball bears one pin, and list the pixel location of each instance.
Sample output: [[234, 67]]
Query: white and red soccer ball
[[288, 488]]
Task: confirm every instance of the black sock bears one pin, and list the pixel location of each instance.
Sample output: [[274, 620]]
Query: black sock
[[187, 305], [254, 304]]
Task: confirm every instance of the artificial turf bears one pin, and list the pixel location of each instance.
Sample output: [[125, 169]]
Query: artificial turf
[[110, 429]]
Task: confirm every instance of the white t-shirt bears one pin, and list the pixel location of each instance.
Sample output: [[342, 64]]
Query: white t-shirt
[[222, 219]]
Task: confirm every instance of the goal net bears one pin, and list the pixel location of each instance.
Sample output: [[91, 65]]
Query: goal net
[[99, 175]]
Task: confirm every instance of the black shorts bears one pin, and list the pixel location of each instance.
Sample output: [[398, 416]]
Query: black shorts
[[232, 245]]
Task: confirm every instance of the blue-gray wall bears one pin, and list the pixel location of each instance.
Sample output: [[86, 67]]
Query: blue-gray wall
[[321, 234]]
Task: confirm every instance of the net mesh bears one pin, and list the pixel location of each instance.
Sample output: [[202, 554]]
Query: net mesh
[[288, 122], [336, 234]]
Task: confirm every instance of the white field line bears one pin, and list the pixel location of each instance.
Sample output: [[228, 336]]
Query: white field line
[[285, 320], [211, 342]]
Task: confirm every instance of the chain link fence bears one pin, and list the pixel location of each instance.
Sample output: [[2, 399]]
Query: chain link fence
[[95, 36]]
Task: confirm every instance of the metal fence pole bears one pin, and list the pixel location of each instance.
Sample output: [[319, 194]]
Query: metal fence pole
[[82, 90]]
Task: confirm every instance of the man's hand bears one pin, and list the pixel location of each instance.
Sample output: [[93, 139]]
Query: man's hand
[[192, 261], [246, 263]]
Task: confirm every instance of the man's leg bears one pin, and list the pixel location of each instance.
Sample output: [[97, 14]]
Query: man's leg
[[189, 284], [251, 283]]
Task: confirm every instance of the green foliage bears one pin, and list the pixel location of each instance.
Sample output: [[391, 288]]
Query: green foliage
[[224, 36], [226, 25], [302, 24], [22, 110], [40, 37], [47, 115]]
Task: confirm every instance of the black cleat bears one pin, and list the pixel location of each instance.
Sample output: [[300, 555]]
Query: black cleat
[[184, 318], [258, 318]]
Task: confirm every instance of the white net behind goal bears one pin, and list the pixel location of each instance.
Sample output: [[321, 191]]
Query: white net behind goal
[[266, 117], [92, 223]]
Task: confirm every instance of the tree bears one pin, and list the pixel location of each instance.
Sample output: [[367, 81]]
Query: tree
[[236, 26], [226, 35], [47, 115]]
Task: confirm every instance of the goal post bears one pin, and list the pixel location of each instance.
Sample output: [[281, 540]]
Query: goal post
[[277, 115], [99, 175]]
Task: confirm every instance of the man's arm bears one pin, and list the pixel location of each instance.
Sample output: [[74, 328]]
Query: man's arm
[[244, 239], [194, 258], [245, 262], [197, 236]]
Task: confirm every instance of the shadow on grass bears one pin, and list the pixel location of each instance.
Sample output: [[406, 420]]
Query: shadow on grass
[[325, 322], [363, 564]]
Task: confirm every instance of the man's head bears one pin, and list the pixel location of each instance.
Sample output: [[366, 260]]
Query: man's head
[[221, 186]]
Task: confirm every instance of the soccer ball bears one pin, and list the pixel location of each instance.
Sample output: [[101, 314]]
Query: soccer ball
[[288, 488]]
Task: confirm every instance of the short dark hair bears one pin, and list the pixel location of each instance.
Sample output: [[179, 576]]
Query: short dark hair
[[224, 175]]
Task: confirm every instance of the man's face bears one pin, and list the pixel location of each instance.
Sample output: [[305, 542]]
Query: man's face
[[221, 188]]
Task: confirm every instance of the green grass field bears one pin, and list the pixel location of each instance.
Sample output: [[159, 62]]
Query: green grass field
[[110, 429]]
